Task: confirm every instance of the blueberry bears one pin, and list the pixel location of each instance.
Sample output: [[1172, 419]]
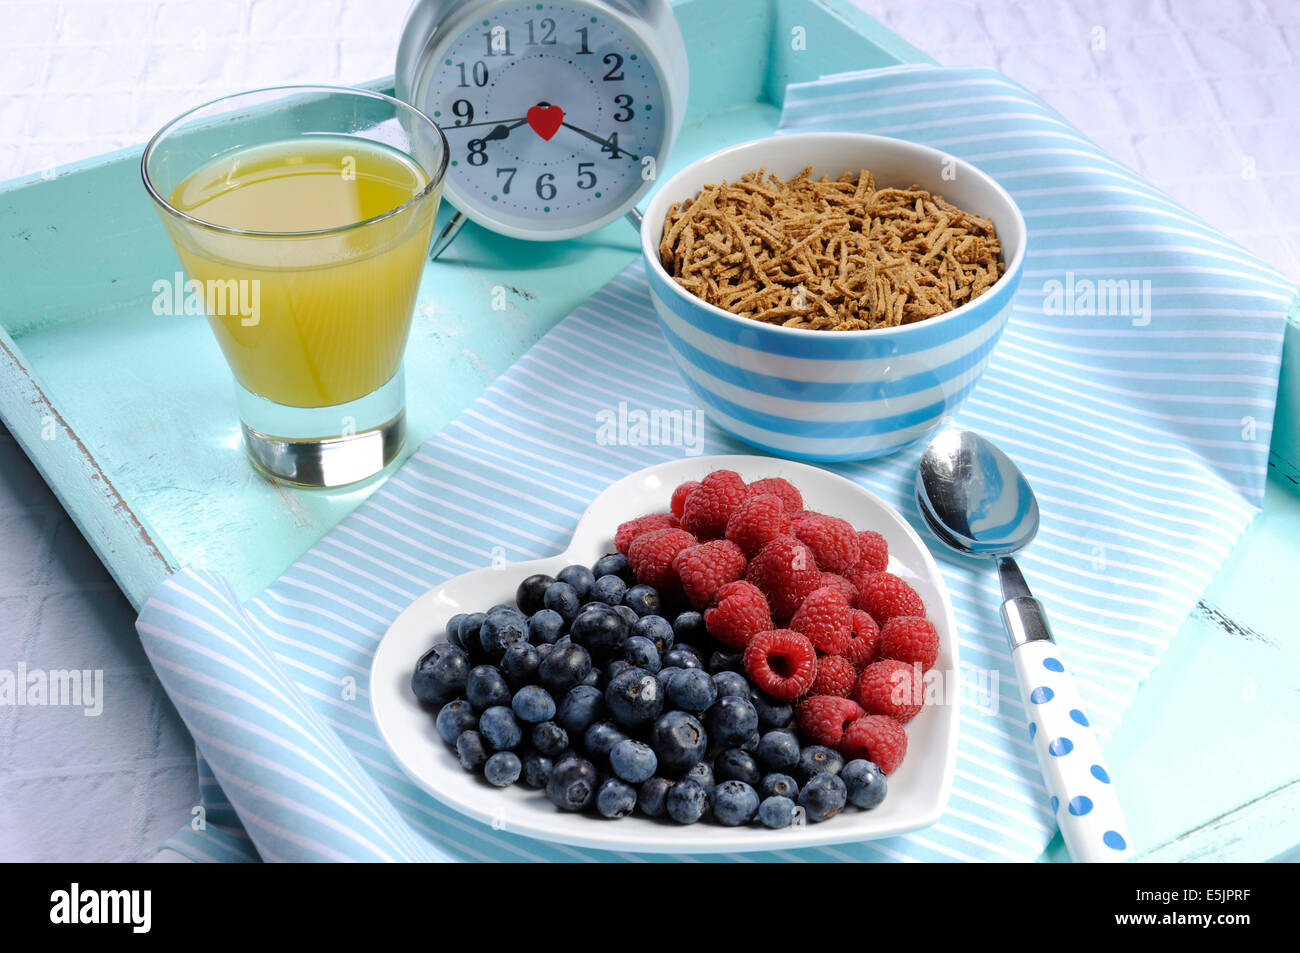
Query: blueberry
[[736, 764], [817, 759], [633, 761], [657, 629], [485, 686], [643, 600], [600, 739], [501, 607], [727, 661], [503, 769], [520, 663], [595, 678], [580, 578], [823, 797], [733, 684], [683, 656], [546, 626], [537, 770], [779, 785], [734, 803], [865, 782], [465, 635], [609, 590], [615, 564], [452, 628], [455, 717], [776, 811], [600, 630], [627, 615], [702, 774], [771, 713], [679, 740], [665, 676], [751, 741], [580, 708], [566, 666], [779, 751], [633, 697], [652, 796], [440, 674], [615, 667], [549, 739], [615, 799], [692, 690], [531, 593], [500, 729], [502, 629], [689, 628], [533, 704], [563, 598], [686, 802], [730, 720], [471, 751], [572, 784], [543, 650], [641, 653]]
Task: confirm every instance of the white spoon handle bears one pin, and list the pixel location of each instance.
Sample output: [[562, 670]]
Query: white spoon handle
[[1083, 798]]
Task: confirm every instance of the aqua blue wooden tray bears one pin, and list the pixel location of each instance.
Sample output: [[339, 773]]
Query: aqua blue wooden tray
[[131, 419]]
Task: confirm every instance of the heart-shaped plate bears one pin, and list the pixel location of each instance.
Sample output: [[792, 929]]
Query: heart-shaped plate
[[918, 790]]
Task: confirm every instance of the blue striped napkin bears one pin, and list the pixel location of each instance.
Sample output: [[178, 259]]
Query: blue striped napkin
[[1139, 411]]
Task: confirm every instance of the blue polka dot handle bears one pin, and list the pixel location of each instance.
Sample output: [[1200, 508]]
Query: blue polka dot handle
[[1081, 794]]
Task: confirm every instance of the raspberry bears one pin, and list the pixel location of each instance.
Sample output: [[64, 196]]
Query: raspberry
[[709, 506], [823, 718], [679, 497], [786, 572], [835, 676], [787, 491], [781, 663], [826, 619], [873, 551], [910, 639], [706, 568], [840, 584], [876, 738], [642, 524], [740, 614], [862, 640], [759, 519], [884, 595], [834, 541], [652, 554], [891, 687]]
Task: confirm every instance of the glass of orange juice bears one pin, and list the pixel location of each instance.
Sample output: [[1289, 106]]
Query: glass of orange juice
[[302, 217]]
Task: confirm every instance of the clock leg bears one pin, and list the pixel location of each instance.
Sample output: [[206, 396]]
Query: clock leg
[[634, 217], [454, 225]]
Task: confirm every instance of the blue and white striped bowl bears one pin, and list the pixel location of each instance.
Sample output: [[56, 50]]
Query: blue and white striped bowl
[[843, 395]]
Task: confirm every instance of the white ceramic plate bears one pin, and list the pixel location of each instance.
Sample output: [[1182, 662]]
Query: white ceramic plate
[[918, 790]]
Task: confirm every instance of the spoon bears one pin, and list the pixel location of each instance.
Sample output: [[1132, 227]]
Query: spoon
[[978, 503]]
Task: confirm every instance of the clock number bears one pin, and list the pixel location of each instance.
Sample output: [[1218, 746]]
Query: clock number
[[497, 41], [625, 112], [465, 110], [477, 152], [548, 39], [479, 72], [610, 145], [510, 177], [584, 49], [546, 186], [586, 178], [614, 73]]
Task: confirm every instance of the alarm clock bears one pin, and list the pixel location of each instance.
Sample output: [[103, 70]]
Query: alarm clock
[[558, 114]]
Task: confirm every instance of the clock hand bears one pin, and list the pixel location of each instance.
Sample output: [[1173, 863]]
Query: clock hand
[[486, 122], [604, 142], [499, 131]]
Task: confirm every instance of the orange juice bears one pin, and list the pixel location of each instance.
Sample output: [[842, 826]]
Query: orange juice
[[333, 302]]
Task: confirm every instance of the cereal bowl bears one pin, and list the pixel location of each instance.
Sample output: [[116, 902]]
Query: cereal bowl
[[834, 395]]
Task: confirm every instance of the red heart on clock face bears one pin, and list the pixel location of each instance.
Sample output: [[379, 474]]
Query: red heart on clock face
[[545, 120]]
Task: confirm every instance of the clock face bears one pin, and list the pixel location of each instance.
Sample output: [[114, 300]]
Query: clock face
[[554, 112]]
